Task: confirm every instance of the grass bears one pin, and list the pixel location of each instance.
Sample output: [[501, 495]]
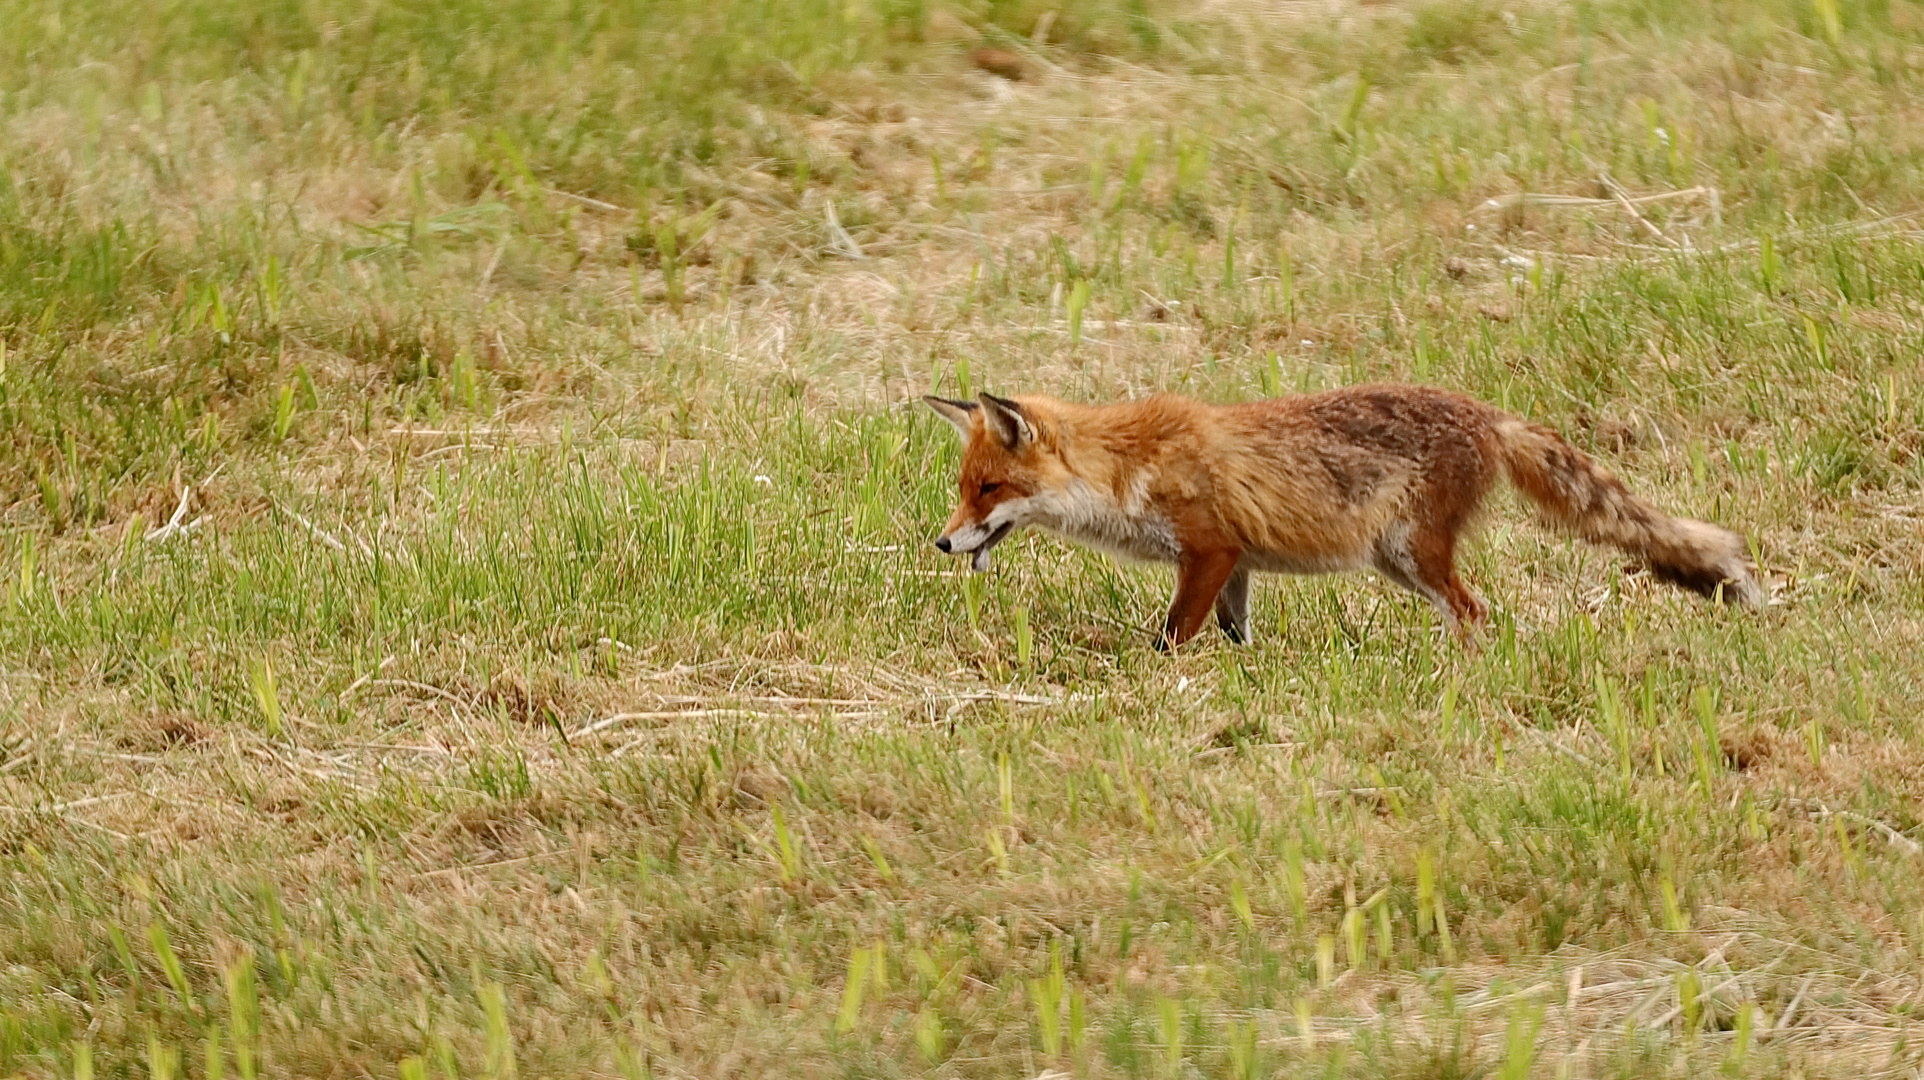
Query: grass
[[464, 518]]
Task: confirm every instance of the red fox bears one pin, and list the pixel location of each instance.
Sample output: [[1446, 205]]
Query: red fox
[[1369, 477]]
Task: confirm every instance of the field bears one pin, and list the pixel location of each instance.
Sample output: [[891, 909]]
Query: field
[[467, 610]]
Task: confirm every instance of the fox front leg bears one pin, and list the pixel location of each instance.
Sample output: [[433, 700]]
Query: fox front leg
[[1232, 607], [1200, 577]]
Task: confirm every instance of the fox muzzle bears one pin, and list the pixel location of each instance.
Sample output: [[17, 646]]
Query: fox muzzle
[[976, 540]]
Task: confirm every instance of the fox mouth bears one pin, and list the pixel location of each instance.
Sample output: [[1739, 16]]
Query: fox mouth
[[980, 561]]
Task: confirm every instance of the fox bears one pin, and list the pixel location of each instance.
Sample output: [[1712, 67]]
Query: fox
[[1384, 477]]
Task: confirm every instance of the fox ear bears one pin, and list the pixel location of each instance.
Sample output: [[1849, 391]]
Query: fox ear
[[1007, 421], [955, 412]]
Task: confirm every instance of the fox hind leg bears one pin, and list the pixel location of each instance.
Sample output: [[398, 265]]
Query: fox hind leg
[[1232, 607], [1423, 560]]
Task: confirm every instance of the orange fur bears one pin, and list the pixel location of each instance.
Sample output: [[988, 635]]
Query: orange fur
[[1370, 477]]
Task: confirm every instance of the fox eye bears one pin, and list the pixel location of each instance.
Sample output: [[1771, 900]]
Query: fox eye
[[989, 489]]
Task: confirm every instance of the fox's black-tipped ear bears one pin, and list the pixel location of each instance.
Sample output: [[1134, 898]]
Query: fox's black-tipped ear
[[1007, 421], [955, 412]]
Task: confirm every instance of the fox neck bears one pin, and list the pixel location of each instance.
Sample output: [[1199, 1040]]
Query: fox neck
[[1091, 512]]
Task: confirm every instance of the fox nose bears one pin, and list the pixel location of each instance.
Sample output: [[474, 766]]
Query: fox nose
[[942, 544]]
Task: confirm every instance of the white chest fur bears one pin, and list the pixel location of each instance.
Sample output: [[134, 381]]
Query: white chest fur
[[1126, 529]]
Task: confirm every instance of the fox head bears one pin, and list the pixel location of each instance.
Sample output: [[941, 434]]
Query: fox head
[[1006, 467]]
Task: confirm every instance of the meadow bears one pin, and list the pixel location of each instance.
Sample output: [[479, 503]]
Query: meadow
[[466, 597]]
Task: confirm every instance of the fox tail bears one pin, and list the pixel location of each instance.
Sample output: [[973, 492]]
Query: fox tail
[[1580, 496]]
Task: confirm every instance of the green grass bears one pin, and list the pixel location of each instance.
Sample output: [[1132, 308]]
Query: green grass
[[465, 596]]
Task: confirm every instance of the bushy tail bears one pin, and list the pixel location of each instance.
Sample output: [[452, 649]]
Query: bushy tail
[[1579, 495]]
